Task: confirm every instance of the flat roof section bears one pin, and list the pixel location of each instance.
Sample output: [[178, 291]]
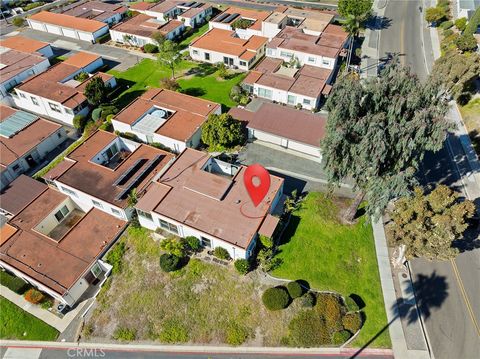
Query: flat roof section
[[23, 44], [68, 21], [21, 192]]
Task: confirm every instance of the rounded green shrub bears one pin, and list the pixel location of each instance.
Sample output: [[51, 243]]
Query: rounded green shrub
[[352, 306], [150, 48], [446, 25], [193, 243], [169, 262], [221, 253], [124, 334], [294, 289], [276, 298], [448, 32], [236, 334], [461, 23], [242, 266], [352, 322], [341, 337], [96, 114], [309, 300]]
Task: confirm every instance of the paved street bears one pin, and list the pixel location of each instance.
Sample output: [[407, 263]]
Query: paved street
[[451, 321]]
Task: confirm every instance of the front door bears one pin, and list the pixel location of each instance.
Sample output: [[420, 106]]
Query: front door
[[207, 243]]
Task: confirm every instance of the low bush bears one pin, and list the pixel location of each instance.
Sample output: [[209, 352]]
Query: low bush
[[150, 48], [104, 38], [169, 262], [82, 76], [461, 23], [276, 298], [308, 300], [79, 122], [448, 33], [242, 266], [236, 334], [115, 257], [308, 329], [466, 43], [125, 334], [96, 114], [294, 289], [174, 245], [352, 305], [341, 337], [15, 284], [446, 25], [34, 296], [352, 322], [18, 21], [33, 5], [193, 243], [108, 110], [173, 331], [47, 303], [169, 84], [330, 307], [91, 127], [221, 253]]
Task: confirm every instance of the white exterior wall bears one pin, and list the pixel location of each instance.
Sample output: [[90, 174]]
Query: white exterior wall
[[281, 96], [38, 154], [197, 19], [285, 142], [216, 57], [271, 30], [43, 107], [84, 201], [185, 231], [67, 32], [218, 25], [304, 58], [161, 15], [31, 71]]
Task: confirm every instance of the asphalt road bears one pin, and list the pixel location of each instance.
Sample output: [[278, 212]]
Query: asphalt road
[[452, 305]]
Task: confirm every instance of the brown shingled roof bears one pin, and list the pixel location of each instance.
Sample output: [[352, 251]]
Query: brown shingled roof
[[230, 216], [25, 140]]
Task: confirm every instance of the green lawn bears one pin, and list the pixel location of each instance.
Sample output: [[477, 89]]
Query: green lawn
[[332, 256], [196, 33], [14, 323], [202, 82]]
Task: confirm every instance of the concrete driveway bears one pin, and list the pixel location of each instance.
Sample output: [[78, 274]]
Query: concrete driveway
[[301, 172]]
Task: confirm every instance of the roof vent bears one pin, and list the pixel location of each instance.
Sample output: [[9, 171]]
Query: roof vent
[[238, 201]]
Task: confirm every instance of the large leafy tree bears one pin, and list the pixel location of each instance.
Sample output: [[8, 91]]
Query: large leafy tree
[[222, 131], [354, 13], [429, 224], [96, 91], [457, 72], [378, 130], [169, 55]]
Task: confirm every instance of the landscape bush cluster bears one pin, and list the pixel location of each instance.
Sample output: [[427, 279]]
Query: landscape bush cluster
[[115, 256], [34, 296], [13, 283]]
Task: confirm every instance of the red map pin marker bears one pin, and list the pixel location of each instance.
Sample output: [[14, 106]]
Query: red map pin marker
[[257, 182]]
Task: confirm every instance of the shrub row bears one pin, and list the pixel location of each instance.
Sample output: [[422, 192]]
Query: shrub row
[[13, 283]]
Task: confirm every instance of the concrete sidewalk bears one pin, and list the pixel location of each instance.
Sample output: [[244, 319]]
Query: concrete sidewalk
[[397, 335], [44, 315]]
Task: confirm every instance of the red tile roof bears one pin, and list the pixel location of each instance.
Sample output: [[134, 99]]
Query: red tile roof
[[23, 44]]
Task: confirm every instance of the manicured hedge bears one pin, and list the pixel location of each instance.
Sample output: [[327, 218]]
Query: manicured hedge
[[276, 298], [169, 262], [294, 289], [13, 283], [242, 266], [309, 300]]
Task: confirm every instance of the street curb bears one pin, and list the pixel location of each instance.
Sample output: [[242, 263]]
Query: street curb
[[191, 349]]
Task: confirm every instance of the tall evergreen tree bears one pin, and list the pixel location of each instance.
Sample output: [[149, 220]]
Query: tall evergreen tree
[[378, 131]]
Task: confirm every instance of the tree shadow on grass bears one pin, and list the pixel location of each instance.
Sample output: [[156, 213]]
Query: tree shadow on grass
[[194, 91], [201, 70], [126, 98], [290, 231], [430, 292]]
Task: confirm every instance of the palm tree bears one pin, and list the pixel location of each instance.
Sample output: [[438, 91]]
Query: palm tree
[[352, 25]]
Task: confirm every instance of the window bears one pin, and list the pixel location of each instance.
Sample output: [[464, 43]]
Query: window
[[168, 226], [195, 52], [286, 54], [54, 107], [97, 204], [61, 214], [306, 101], [265, 93], [207, 56], [16, 167], [34, 101], [144, 214], [22, 95], [59, 135], [292, 100], [270, 52], [116, 212], [206, 242], [69, 191], [311, 59], [96, 270], [243, 63], [67, 110], [326, 62]]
